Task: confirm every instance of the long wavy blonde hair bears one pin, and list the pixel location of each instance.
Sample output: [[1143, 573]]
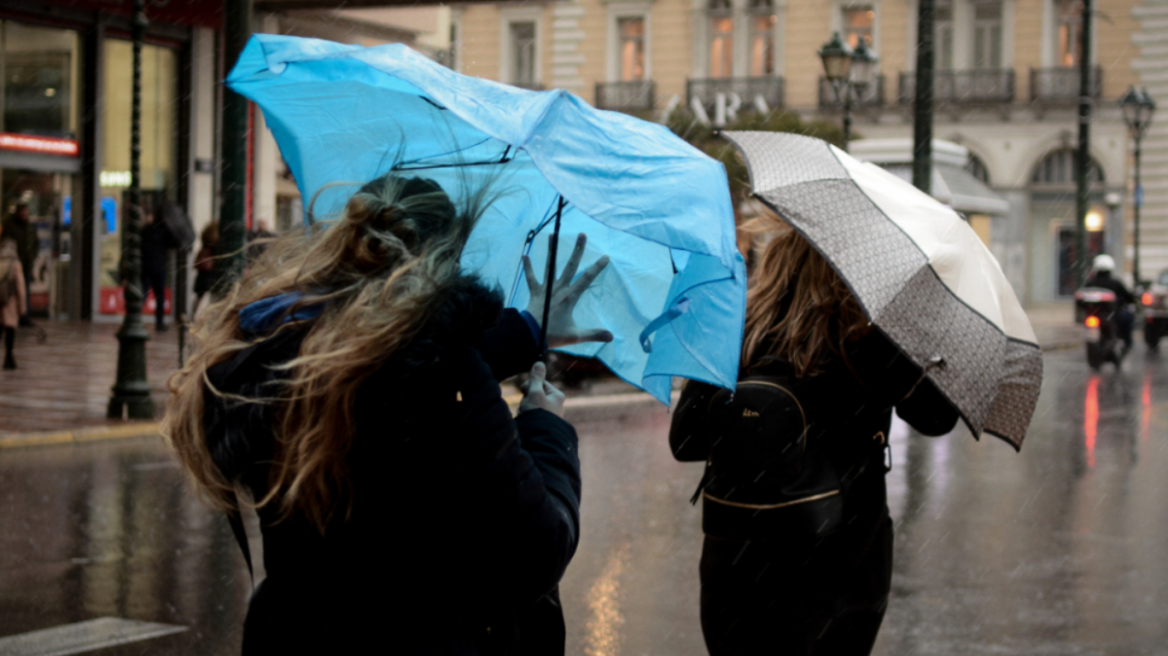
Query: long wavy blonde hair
[[378, 272], [797, 309]]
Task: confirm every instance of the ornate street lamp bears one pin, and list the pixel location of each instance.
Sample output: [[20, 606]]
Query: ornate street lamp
[[1137, 108], [131, 390], [849, 73], [863, 65]]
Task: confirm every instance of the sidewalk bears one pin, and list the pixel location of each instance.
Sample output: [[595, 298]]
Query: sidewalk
[[60, 392], [1054, 325]]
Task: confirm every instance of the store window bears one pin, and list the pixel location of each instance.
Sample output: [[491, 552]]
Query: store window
[[39, 77], [1070, 30], [943, 38], [987, 35], [721, 38], [632, 47], [859, 22], [762, 38], [40, 67], [159, 142]]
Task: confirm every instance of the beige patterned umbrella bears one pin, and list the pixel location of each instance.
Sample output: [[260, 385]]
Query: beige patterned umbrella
[[921, 274]]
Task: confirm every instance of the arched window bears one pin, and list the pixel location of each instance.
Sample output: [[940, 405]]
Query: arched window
[[1057, 169], [978, 169], [762, 37], [721, 38]]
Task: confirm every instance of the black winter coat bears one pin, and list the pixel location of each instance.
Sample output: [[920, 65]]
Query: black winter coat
[[1104, 280], [848, 411], [463, 519]]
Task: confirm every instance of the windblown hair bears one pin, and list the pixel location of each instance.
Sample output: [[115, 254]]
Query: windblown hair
[[378, 272], [797, 309]]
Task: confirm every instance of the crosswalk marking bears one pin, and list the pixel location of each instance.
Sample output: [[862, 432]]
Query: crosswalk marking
[[85, 636]]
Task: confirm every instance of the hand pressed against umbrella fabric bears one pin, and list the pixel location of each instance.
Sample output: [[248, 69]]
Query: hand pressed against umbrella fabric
[[674, 291]]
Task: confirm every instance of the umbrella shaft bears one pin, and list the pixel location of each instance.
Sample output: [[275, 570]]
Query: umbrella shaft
[[550, 278]]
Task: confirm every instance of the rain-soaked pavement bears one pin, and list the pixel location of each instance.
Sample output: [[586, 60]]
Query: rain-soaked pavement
[[1057, 550]]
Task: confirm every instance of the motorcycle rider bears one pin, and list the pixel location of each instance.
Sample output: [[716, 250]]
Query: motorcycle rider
[[1101, 269]]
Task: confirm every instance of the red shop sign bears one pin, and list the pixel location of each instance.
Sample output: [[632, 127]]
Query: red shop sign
[[43, 145]]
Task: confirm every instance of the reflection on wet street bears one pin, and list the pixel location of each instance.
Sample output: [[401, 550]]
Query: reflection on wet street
[[1056, 550]]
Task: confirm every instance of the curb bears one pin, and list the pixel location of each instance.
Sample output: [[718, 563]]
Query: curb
[[139, 430], [80, 435]]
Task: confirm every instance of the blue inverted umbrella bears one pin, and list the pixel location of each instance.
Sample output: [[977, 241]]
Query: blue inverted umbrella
[[673, 294]]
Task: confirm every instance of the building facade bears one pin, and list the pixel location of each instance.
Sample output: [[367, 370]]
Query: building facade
[[1006, 90]]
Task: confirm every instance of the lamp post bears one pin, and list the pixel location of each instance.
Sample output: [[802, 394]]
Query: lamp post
[[849, 72], [131, 390], [1137, 108]]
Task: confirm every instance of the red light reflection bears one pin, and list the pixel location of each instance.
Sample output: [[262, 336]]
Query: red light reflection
[[1091, 417], [1146, 398]]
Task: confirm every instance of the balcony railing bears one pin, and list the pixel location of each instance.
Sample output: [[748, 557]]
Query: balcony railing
[[1061, 85], [770, 89], [626, 96], [995, 85], [872, 95]]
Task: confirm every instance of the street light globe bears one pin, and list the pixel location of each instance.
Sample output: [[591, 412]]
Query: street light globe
[[1137, 106], [863, 62], [837, 58], [1094, 221]]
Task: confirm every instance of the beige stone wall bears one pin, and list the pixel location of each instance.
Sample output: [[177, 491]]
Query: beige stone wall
[[808, 26], [1115, 47], [893, 46], [672, 33], [1028, 18], [480, 41], [594, 24]]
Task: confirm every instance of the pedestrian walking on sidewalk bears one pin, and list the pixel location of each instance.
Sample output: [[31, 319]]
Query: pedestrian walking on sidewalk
[[155, 254], [19, 227], [13, 297], [205, 279], [797, 557], [350, 385]]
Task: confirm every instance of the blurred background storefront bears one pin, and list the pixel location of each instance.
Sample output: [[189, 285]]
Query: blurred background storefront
[[65, 94]]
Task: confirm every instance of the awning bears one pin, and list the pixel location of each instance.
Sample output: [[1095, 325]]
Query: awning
[[958, 189]]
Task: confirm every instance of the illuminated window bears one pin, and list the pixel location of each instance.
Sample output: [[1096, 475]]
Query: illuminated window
[[858, 23], [632, 48], [1070, 31], [721, 38], [762, 38]]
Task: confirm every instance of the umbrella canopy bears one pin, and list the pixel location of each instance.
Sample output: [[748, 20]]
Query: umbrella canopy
[[918, 270], [673, 294]]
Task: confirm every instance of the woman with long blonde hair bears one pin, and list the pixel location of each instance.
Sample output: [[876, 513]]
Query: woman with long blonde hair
[[347, 389], [797, 557]]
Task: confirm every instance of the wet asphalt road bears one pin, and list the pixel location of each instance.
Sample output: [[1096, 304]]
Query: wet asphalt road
[[1057, 550]]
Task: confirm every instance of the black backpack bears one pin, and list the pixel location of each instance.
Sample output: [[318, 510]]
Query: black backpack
[[180, 233], [762, 434]]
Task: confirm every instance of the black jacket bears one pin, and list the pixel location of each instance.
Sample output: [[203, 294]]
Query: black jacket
[[847, 411], [463, 519], [1104, 280]]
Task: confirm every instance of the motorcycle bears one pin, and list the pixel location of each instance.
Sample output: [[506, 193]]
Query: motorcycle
[[1095, 309]]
